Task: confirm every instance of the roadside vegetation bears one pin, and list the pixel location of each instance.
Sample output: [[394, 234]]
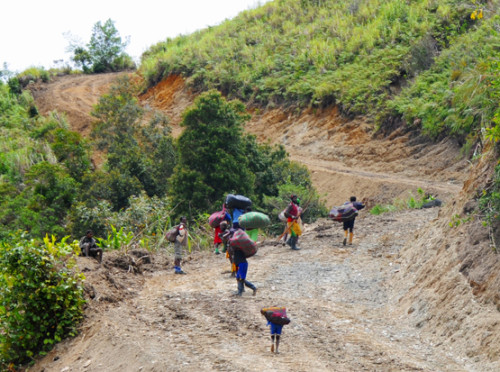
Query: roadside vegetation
[[412, 202], [41, 297]]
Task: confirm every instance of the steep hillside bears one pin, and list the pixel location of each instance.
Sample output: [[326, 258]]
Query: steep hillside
[[410, 294], [344, 156], [450, 275], [391, 61]]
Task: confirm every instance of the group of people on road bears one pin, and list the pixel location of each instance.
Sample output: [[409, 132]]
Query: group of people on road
[[239, 264]]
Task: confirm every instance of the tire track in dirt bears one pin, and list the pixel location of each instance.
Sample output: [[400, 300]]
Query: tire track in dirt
[[73, 96]]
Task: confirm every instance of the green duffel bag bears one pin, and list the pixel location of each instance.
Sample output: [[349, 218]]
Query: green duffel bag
[[254, 220]]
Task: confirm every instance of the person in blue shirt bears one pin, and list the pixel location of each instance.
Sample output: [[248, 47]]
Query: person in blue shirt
[[275, 327], [237, 212]]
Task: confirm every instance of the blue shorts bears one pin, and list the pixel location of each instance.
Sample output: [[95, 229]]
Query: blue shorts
[[275, 328], [242, 271]]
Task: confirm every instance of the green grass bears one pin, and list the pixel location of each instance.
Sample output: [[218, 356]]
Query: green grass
[[411, 202], [386, 60]]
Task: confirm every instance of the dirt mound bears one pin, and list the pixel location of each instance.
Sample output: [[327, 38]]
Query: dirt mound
[[411, 294]]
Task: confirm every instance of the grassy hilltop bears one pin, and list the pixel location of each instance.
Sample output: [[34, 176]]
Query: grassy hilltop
[[427, 62]]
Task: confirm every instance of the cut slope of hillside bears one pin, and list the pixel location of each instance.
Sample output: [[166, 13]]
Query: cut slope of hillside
[[344, 157]]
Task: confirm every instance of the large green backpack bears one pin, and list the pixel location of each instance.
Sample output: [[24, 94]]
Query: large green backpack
[[254, 220]]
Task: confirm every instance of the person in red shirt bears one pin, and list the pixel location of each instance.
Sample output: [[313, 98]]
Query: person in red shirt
[[292, 214], [217, 239]]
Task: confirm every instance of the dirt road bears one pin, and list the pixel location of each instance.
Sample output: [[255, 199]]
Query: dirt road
[[339, 298], [74, 96]]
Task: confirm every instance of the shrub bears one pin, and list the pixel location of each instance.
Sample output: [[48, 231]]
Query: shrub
[[211, 160], [72, 150], [139, 150], [41, 297], [105, 51], [117, 239], [411, 202], [379, 209]]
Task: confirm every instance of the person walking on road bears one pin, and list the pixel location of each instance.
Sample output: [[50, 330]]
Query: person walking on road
[[241, 263], [349, 224], [292, 214], [180, 245]]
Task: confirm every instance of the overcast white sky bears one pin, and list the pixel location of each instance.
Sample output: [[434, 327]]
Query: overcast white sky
[[32, 31]]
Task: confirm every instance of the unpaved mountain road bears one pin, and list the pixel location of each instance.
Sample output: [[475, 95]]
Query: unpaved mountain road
[[340, 299], [338, 172], [74, 96]]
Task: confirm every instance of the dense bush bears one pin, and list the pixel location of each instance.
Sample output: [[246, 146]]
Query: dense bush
[[41, 298], [216, 158], [212, 160], [140, 152], [38, 189]]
